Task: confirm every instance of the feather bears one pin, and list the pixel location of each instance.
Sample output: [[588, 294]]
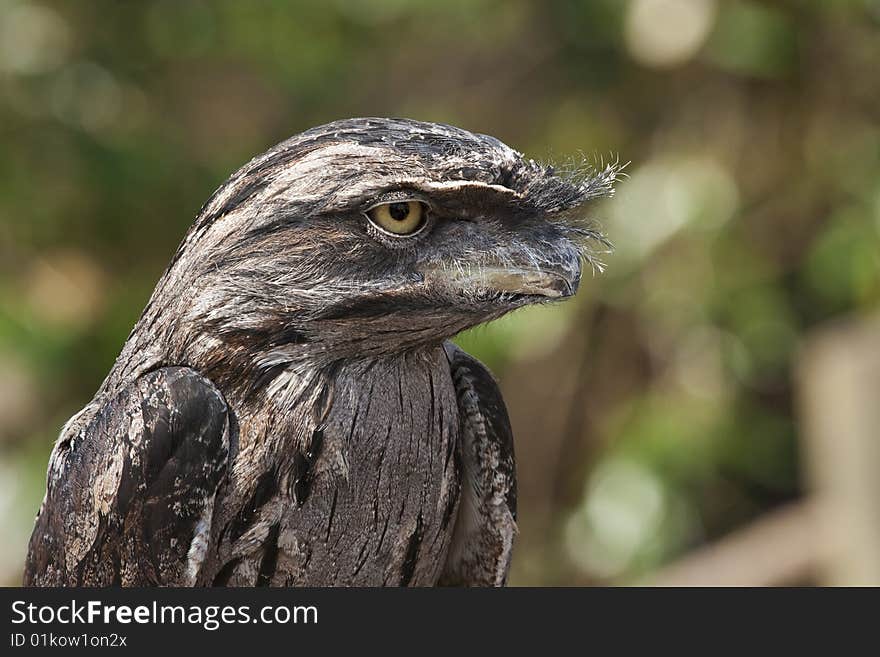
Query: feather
[[287, 410]]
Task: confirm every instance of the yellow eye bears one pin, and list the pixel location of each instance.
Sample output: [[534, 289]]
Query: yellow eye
[[399, 217]]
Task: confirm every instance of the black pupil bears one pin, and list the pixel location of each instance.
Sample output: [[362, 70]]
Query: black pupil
[[399, 211]]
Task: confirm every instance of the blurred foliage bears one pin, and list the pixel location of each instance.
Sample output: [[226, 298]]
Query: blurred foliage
[[655, 411]]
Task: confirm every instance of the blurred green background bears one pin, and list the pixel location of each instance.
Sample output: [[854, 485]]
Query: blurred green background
[[654, 413]]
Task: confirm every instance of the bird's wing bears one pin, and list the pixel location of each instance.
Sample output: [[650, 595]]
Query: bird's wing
[[486, 523], [130, 496]]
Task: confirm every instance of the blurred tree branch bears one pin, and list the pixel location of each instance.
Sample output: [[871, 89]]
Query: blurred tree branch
[[834, 536], [839, 378], [779, 548]]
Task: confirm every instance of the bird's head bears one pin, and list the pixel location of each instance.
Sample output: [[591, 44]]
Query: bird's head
[[369, 236]]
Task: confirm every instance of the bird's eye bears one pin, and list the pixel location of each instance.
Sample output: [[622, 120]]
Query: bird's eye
[[399, 217]]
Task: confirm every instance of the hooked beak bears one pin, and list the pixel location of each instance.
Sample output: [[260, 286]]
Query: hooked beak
[[527, 282], [549, 283]]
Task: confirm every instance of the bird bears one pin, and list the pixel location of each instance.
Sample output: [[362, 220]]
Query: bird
[[289, 409]]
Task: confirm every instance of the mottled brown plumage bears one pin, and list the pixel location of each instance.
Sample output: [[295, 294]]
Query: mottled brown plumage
[[287, 410]]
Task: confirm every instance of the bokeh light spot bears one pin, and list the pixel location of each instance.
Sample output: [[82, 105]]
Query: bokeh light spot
[[33, 39], [667, 33]]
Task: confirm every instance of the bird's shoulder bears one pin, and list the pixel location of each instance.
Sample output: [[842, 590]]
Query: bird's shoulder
[[479, 397], [486, 523], [147, 463]]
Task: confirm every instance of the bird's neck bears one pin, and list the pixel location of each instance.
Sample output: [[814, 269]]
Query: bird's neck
[[307, 410]]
